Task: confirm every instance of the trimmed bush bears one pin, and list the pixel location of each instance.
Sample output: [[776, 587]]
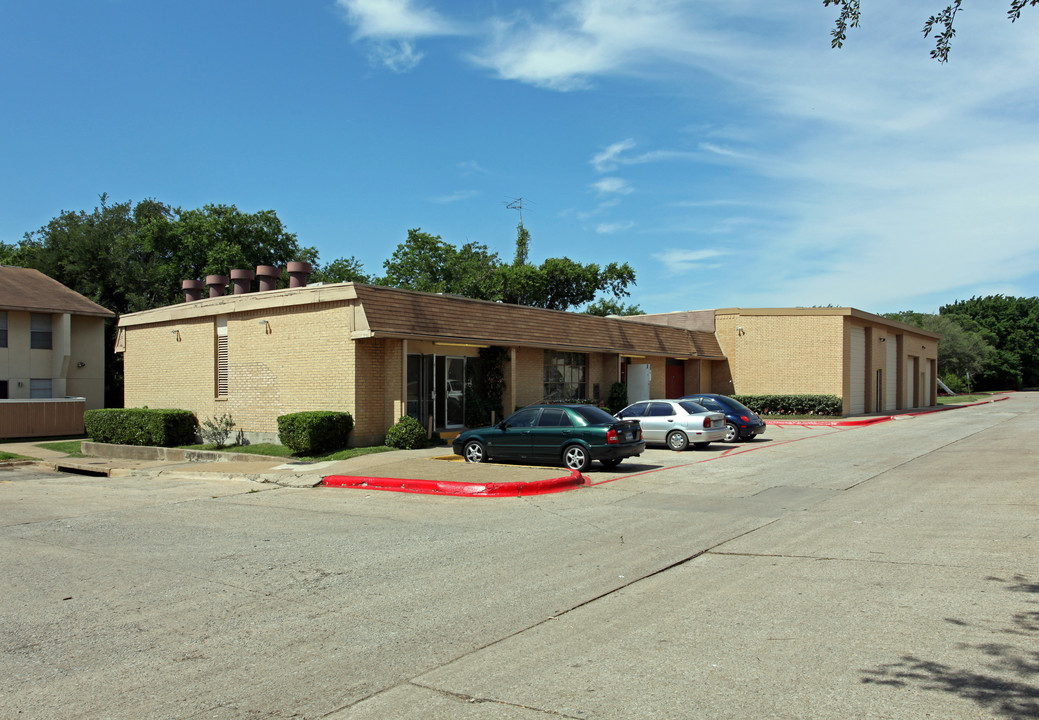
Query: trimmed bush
[[406, 434], [791, 404], [618, 398], [316, 431], [140, 426]]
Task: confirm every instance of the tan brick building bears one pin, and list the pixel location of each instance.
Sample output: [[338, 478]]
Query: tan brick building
[[873, 364], [380, 353]]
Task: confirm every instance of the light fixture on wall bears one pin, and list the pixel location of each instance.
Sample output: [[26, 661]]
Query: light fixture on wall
[[176, 333], [883, 339], [81, 364], [266, 326], [739, 330]]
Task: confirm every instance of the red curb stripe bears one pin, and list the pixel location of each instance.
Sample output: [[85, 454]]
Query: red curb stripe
[[458, 489]]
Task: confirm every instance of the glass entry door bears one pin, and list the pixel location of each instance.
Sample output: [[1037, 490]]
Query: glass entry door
[[436, 389]]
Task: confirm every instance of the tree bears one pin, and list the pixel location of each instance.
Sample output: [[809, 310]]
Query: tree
[[963, 350], [1011, 325], [341, 270], [427, 263], [940, 24], [610, 306]]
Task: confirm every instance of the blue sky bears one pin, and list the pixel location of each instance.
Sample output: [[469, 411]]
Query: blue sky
[[720, 147]]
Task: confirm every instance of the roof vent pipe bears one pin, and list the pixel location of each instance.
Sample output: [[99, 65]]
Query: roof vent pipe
[[243, 280], [217, 285], [268, 276], [192, 290], [298, 274]]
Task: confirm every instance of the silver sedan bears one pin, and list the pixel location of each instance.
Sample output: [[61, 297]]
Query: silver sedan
[[676, 423]]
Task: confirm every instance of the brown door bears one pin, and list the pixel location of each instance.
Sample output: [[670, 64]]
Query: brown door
[[674, 385]]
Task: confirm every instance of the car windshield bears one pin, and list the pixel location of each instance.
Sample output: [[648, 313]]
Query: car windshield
[[593, 415], [692, 408]]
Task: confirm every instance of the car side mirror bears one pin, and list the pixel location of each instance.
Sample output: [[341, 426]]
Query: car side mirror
[[503, 425]]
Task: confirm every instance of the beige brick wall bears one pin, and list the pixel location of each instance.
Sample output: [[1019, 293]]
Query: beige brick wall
[[305, 362]]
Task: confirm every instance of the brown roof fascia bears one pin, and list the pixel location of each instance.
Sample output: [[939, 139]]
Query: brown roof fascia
[[29, 290]]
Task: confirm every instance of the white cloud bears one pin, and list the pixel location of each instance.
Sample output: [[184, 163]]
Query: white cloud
[[611, 228], [607, 160], [613, 186], [393, 19], [682, 261]]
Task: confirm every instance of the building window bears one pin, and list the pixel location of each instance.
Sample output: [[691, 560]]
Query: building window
[[565, 376], [221, 358], [3, 329], [40, 332], [40, 388]]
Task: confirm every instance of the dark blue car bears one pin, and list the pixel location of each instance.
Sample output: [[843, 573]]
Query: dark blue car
[[740, 421]]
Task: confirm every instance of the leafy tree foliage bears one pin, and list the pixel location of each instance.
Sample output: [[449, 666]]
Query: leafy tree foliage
[[610, 306], [963, 350], [427, 263], [940, 25], [341, 270], [1011, 325]]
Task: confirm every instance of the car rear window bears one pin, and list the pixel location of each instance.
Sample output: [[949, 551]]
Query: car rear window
[[692, 408], [593, 415]]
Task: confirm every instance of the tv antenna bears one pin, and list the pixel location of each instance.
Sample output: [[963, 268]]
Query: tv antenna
[[517, 204]]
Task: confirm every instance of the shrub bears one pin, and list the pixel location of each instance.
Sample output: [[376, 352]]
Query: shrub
[[316, 431], [792, 404], [406, 433], [618, 398], [216, 430], [140, 426]]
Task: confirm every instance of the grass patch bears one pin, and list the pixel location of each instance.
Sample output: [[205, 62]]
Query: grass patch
[[961, 399], [766, 418], [72, 448], [13, 456], [282, 451]]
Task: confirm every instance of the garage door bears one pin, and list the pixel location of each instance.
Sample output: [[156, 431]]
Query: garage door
[[925, 391], [911, 382], [891, 386], [858, 370]]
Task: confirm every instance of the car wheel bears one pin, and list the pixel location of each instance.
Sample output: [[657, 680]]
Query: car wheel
[[611, 463], [732, 433], [677, 440], [701, 446], [473, 452], [576, 458]]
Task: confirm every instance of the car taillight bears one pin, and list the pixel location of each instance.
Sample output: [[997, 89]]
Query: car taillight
[[611, 437], [744, 418], [706, 423]]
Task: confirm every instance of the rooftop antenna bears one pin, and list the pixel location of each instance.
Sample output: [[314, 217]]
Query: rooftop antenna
[[517, 204]]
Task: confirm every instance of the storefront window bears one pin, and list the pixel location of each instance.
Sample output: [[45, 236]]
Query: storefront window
[[565, 376]]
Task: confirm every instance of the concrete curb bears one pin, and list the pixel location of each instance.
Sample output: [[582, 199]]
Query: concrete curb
[[149, 453], [459, 489]]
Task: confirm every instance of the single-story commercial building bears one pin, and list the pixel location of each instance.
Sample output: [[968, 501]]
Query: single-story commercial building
[[52, 355], [873, 364], [381, 353]]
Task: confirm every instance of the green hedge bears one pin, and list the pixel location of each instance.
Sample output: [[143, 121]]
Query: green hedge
[[792, 404], [141, 426], [317, 431], [406, 434]]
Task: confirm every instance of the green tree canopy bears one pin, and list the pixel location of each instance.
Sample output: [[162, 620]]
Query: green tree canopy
[[427, 263], [610, 306], [1011, 325], [963, 350]]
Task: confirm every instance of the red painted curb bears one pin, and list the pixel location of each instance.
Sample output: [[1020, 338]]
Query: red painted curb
[[458, 489]]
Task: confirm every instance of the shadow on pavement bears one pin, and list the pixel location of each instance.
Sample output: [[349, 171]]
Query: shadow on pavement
[[1004, 681]]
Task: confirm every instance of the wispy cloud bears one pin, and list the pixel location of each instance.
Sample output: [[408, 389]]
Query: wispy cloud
[[682, 261], [611, 228], [390, 28], [455, 197], [613, 186]]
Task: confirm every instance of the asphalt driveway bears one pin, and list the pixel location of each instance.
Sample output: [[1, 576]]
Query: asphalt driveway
[[885, 571]]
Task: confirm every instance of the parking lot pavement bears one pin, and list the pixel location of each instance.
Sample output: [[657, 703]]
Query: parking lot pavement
[[883, 572]]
